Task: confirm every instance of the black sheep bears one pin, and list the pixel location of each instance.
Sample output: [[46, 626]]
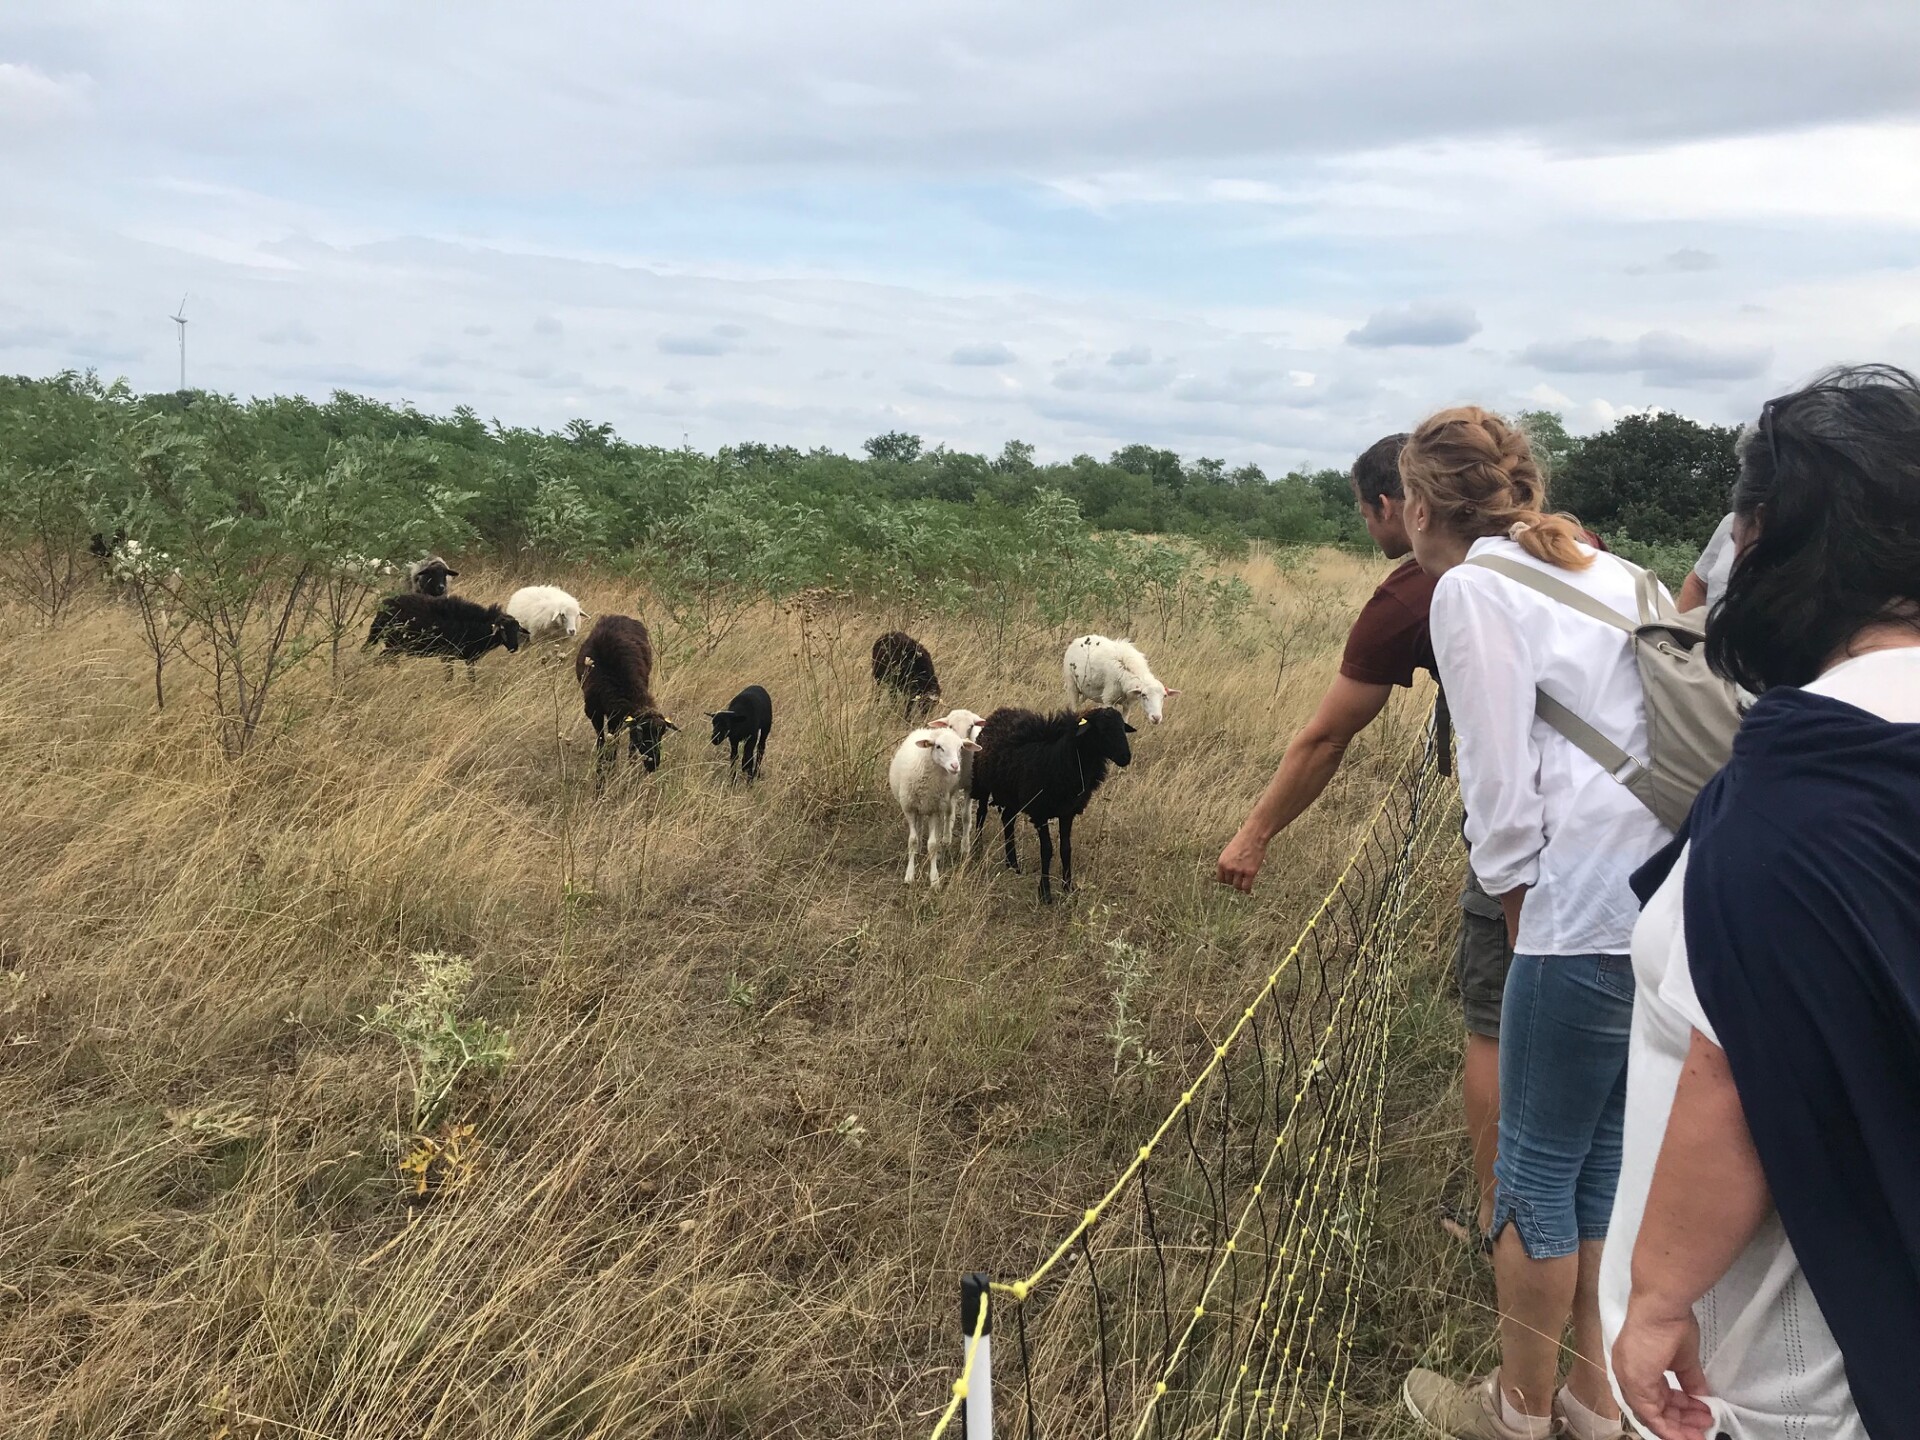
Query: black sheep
[[1046, 767], [101, 548], [430, 576], [748, 718], [905, 666], [614, 666], [444, 626]]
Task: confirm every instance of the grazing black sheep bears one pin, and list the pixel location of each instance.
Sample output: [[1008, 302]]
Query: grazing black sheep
[[905, 666], [1046, 767], [430, 576], [748, 718], [101, 548], [614, 666], [444, 626]]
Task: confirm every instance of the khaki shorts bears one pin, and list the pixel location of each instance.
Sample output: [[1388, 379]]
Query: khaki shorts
[[1481, 958]]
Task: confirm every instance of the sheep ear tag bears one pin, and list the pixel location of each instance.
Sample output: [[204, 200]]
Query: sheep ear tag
[[1083, 722]]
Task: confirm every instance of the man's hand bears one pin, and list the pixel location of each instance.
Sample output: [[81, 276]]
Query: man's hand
[[1651, 1343], [1312, 756], [1241, 861]]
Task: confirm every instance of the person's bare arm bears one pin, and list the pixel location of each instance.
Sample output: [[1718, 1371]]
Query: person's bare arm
[[1510, 904], [1309, 764], [1693, 592], [1708, 1199]]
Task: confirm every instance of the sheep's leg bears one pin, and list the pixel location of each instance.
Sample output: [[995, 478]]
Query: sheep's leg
[[733, 762], [756, 750], [1006, 836], [1066, 854], [602, 754], [1046, 862], [913, 841], [933, 851]]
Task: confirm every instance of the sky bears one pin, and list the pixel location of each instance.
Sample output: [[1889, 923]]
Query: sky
[[1262, 233]]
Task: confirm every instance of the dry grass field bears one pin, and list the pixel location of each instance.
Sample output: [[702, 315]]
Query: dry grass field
[[742, 1105]]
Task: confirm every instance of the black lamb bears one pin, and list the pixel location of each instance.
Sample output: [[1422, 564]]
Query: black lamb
[[905, 666], [748, 720], [1046, 767], [444, 626], [614, 666]]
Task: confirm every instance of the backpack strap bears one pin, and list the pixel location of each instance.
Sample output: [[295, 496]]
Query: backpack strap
[[1587, 740], [1553, 589], [1610, 757]]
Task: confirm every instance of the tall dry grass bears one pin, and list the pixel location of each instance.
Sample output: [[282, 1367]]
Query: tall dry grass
[[765, 1103]]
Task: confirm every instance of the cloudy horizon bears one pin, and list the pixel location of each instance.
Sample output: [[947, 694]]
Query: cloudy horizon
[[1254, 236]]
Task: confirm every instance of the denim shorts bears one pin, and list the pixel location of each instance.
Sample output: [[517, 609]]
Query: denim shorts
[[1563, 1098]]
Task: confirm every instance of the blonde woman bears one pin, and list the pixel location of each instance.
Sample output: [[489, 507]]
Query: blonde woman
[[1556, 840]]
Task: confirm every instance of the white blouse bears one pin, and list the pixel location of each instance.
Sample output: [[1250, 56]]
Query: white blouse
[[1539, 812]]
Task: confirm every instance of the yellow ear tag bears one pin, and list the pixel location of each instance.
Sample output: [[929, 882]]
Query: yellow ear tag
[[1083, 722]]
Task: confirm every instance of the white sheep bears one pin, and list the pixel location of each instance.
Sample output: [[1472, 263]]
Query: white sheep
[[1100, 671], [925, 778], [545, 612], [967, 725]]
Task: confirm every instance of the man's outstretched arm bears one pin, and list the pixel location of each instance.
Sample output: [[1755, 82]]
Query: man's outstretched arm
[[1312, 757]]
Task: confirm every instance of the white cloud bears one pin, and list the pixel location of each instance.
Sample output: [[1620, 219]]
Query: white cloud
[[990, 352], [1662, 358], [1685, 261], [1423, 323], [32, 98]]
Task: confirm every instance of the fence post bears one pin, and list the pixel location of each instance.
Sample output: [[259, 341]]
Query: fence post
[[977, 1408]]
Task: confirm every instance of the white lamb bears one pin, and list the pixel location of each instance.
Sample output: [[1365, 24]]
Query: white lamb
[[1100, 671], [925, 778], [546, 612], [967, 725]]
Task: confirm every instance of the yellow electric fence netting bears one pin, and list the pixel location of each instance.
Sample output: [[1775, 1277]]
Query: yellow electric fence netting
[[1214, 1288]]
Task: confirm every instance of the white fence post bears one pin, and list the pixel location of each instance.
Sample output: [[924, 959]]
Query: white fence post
[[978, 1406]]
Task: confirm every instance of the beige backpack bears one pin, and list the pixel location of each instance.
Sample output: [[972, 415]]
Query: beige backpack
[[1692, 713]]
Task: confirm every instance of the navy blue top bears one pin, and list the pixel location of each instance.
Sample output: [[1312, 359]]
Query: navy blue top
[[1802, 914]]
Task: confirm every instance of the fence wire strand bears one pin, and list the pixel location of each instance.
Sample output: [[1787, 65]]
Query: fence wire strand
[[1214, 1289]]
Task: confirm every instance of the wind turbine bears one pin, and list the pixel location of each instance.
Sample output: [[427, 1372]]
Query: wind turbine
[[180, 318]]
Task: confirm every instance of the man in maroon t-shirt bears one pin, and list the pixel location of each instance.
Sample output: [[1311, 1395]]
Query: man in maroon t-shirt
[[1387, 644]]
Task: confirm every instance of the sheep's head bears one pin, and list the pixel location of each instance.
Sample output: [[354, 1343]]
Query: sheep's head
[[947, 746], [430, 576], [1105, 731], [964, 721], [507, 631], [1150, 696], [722, 724], [647, 730]]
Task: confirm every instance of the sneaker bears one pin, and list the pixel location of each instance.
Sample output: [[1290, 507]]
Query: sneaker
[[1621, 1432], [1463, 1412]]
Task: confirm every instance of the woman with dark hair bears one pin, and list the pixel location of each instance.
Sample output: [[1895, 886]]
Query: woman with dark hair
[[1766, 1234]]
